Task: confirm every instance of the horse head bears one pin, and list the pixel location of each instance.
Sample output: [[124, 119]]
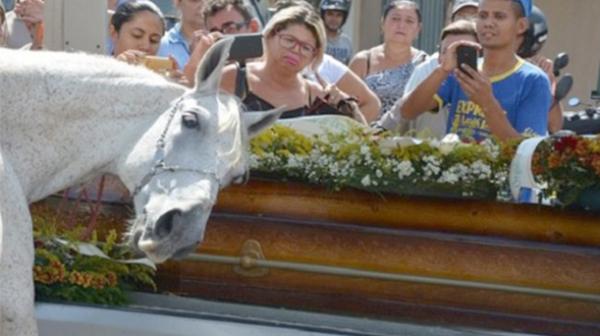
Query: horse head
[[194, 149]]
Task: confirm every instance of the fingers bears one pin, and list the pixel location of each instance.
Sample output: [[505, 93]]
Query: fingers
[[466, 83], [174, 61], [474, 84], [132, 56]]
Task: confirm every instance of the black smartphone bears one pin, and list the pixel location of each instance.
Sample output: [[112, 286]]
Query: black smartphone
[[466, 55], [246, 46]]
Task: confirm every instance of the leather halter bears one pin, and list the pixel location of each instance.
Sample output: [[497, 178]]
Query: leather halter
[[160, 166]]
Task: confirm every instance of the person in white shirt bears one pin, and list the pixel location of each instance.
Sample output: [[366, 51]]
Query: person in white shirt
[[429, 124]]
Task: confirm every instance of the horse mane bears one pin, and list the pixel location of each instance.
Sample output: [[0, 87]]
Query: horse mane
[[230, 120]]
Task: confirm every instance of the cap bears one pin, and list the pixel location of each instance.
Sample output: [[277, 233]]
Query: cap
[[460, 4], [527, 6]]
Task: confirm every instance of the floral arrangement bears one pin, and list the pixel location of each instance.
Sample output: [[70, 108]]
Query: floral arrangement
[[569, 165], [358, 158], [380, 163], [63, 272]]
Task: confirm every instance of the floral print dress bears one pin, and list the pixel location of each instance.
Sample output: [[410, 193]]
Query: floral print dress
[[389, 84]]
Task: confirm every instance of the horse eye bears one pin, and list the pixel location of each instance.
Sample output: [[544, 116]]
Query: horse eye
[[190, 120]]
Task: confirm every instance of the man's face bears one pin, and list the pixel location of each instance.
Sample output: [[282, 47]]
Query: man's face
[[228, 21], [498, 25], [333, 19], [191, 12]]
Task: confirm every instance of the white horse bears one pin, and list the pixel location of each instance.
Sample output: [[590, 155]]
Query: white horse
[[67, 117]]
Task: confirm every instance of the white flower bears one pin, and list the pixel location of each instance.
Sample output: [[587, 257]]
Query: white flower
[[366, 181], [449, 177], [432, 166], [404, 169], [364, 150], [379, 173]]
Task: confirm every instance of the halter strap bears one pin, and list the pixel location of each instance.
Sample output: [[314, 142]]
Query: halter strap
[[160, 166]]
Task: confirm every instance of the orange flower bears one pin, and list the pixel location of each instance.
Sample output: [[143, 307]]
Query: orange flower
[[555, 160]]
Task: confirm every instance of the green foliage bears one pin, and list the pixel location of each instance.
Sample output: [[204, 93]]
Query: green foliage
[[62, 273]]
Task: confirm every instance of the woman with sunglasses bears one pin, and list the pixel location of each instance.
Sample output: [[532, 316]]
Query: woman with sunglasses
[[294, 39]]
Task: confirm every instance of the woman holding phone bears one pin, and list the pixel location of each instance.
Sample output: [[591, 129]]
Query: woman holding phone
[[293, 40], [136, 28]]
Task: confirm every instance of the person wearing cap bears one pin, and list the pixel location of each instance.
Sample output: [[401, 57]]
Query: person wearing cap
[[464, 10], [334, 14], [180, 41], [505, 98]]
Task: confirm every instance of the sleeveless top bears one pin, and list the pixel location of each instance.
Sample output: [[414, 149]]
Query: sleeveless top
[[389, 84], [252, 102]]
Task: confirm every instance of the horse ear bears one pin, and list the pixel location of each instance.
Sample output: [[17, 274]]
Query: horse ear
[[256, 122], [208, 75]]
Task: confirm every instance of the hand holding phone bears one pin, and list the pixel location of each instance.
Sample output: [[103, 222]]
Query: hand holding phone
[[466, 54], [158, 64], [246, 47]]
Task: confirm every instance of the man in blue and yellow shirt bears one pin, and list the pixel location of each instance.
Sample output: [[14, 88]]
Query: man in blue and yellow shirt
[[505, 98]]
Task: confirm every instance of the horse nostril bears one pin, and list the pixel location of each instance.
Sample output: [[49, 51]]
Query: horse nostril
[[164, 225]]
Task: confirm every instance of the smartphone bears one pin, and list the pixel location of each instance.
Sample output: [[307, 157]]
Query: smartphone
[[158, 64], [246, 46], [466, 55]]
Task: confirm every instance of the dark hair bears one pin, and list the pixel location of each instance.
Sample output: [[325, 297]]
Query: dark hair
[[212, 7], [128, 10], [400, 3], [459, 27]]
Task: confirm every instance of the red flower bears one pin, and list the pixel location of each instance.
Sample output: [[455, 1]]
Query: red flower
[[566, 143]]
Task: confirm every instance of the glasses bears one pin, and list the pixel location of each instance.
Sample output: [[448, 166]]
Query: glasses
[[289, 42], [230, 27]]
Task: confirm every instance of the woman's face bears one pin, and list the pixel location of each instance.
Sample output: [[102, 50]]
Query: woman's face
[[401, 25], [142, 32], [294, 47]]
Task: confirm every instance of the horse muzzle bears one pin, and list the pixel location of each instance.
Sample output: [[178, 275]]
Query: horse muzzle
[[174, 234]]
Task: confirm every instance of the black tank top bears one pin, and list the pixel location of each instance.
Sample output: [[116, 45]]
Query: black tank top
[[252, 102]]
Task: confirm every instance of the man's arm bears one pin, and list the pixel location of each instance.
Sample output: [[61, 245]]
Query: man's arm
[[421, 99], [555, 118]]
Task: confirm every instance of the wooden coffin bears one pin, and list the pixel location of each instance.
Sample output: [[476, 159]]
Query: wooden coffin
[[432, 260]]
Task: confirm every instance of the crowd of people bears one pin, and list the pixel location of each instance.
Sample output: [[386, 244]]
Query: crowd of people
[[310, 66]]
